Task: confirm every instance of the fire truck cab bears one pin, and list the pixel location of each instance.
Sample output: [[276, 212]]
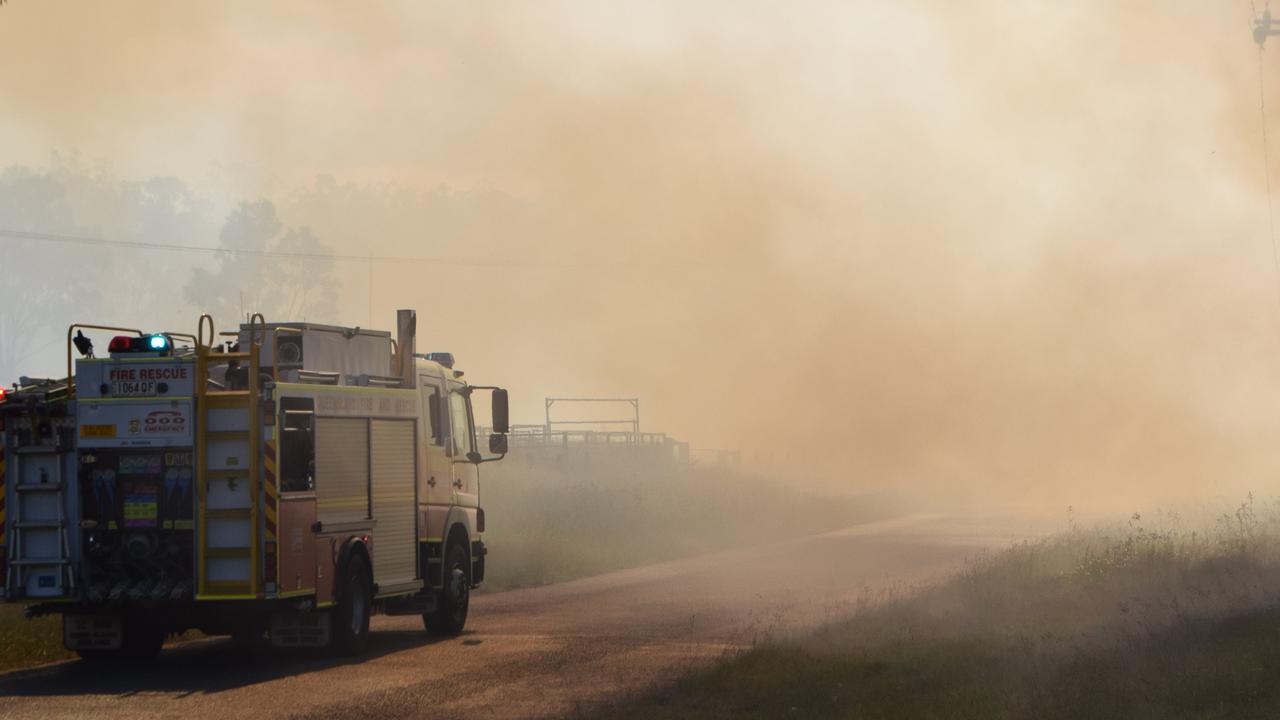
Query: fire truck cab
[[279, 482]]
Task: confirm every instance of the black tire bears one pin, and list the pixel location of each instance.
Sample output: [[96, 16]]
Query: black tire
[[450, 615], [251, 637], [351, 616], [142, 642]]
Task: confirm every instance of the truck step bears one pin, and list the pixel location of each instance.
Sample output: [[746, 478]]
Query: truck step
[[414, 605], [215, 589], [226, 552], [228, 399], [240, 513], [227, 434], [41, 450]]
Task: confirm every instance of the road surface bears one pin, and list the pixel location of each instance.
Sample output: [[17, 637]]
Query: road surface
[[539, 652]]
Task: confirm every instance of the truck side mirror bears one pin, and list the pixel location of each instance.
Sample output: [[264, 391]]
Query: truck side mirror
[[498, 444], [501, 423]]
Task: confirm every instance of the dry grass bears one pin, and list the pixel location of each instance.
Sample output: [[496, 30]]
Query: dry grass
[[1144, 620], [28, 642]]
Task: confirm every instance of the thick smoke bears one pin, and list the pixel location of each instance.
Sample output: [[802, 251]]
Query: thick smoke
[[974, 250]]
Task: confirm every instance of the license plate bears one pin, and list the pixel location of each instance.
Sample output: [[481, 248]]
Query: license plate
[[106, 431], [133, 388]]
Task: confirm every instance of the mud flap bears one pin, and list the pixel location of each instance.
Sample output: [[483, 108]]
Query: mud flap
[[300, 629], [92, 632]]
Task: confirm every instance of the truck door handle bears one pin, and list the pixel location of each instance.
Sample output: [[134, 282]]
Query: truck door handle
[[431, 481], [457, 482]]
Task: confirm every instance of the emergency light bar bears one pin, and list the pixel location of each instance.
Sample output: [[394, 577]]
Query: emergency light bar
[[150, 344], [444, 358]]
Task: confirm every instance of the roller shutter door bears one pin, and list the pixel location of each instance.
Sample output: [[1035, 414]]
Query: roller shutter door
[[342, 469], [395, 537]]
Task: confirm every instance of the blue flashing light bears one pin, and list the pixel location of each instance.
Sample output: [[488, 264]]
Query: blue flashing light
[[158, 343], [444, 358]]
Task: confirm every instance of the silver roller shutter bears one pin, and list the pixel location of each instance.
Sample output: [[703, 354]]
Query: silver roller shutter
[[342, 469], [395, 537]]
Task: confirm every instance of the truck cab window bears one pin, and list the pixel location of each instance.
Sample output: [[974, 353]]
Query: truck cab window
[[461, 424], [435, 420], [297, 444]]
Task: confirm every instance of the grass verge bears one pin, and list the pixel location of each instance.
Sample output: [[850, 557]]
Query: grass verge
[[1127, 622], [29, 642]]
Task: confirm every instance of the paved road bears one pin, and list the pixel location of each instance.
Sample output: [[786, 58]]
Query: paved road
[[529, 653]]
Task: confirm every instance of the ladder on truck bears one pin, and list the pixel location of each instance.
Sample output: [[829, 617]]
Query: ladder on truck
[[39, 558], [228, 460]]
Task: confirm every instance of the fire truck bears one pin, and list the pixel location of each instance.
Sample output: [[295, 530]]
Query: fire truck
[[279, 483]]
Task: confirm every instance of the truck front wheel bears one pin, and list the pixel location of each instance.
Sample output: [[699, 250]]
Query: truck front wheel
[[351, 616], [450, 615]]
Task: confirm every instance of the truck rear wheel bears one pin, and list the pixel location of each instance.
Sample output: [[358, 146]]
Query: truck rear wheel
[[351, 616], [450, 615], [142, 642], [251, 636]]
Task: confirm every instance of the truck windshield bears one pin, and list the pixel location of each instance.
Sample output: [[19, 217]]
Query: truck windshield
[[461, 423]]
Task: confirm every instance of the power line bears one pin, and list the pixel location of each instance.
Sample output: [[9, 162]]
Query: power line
[[1266, 169], [206, 250]]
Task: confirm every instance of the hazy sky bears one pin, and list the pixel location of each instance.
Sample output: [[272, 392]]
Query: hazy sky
[[980, 246]]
